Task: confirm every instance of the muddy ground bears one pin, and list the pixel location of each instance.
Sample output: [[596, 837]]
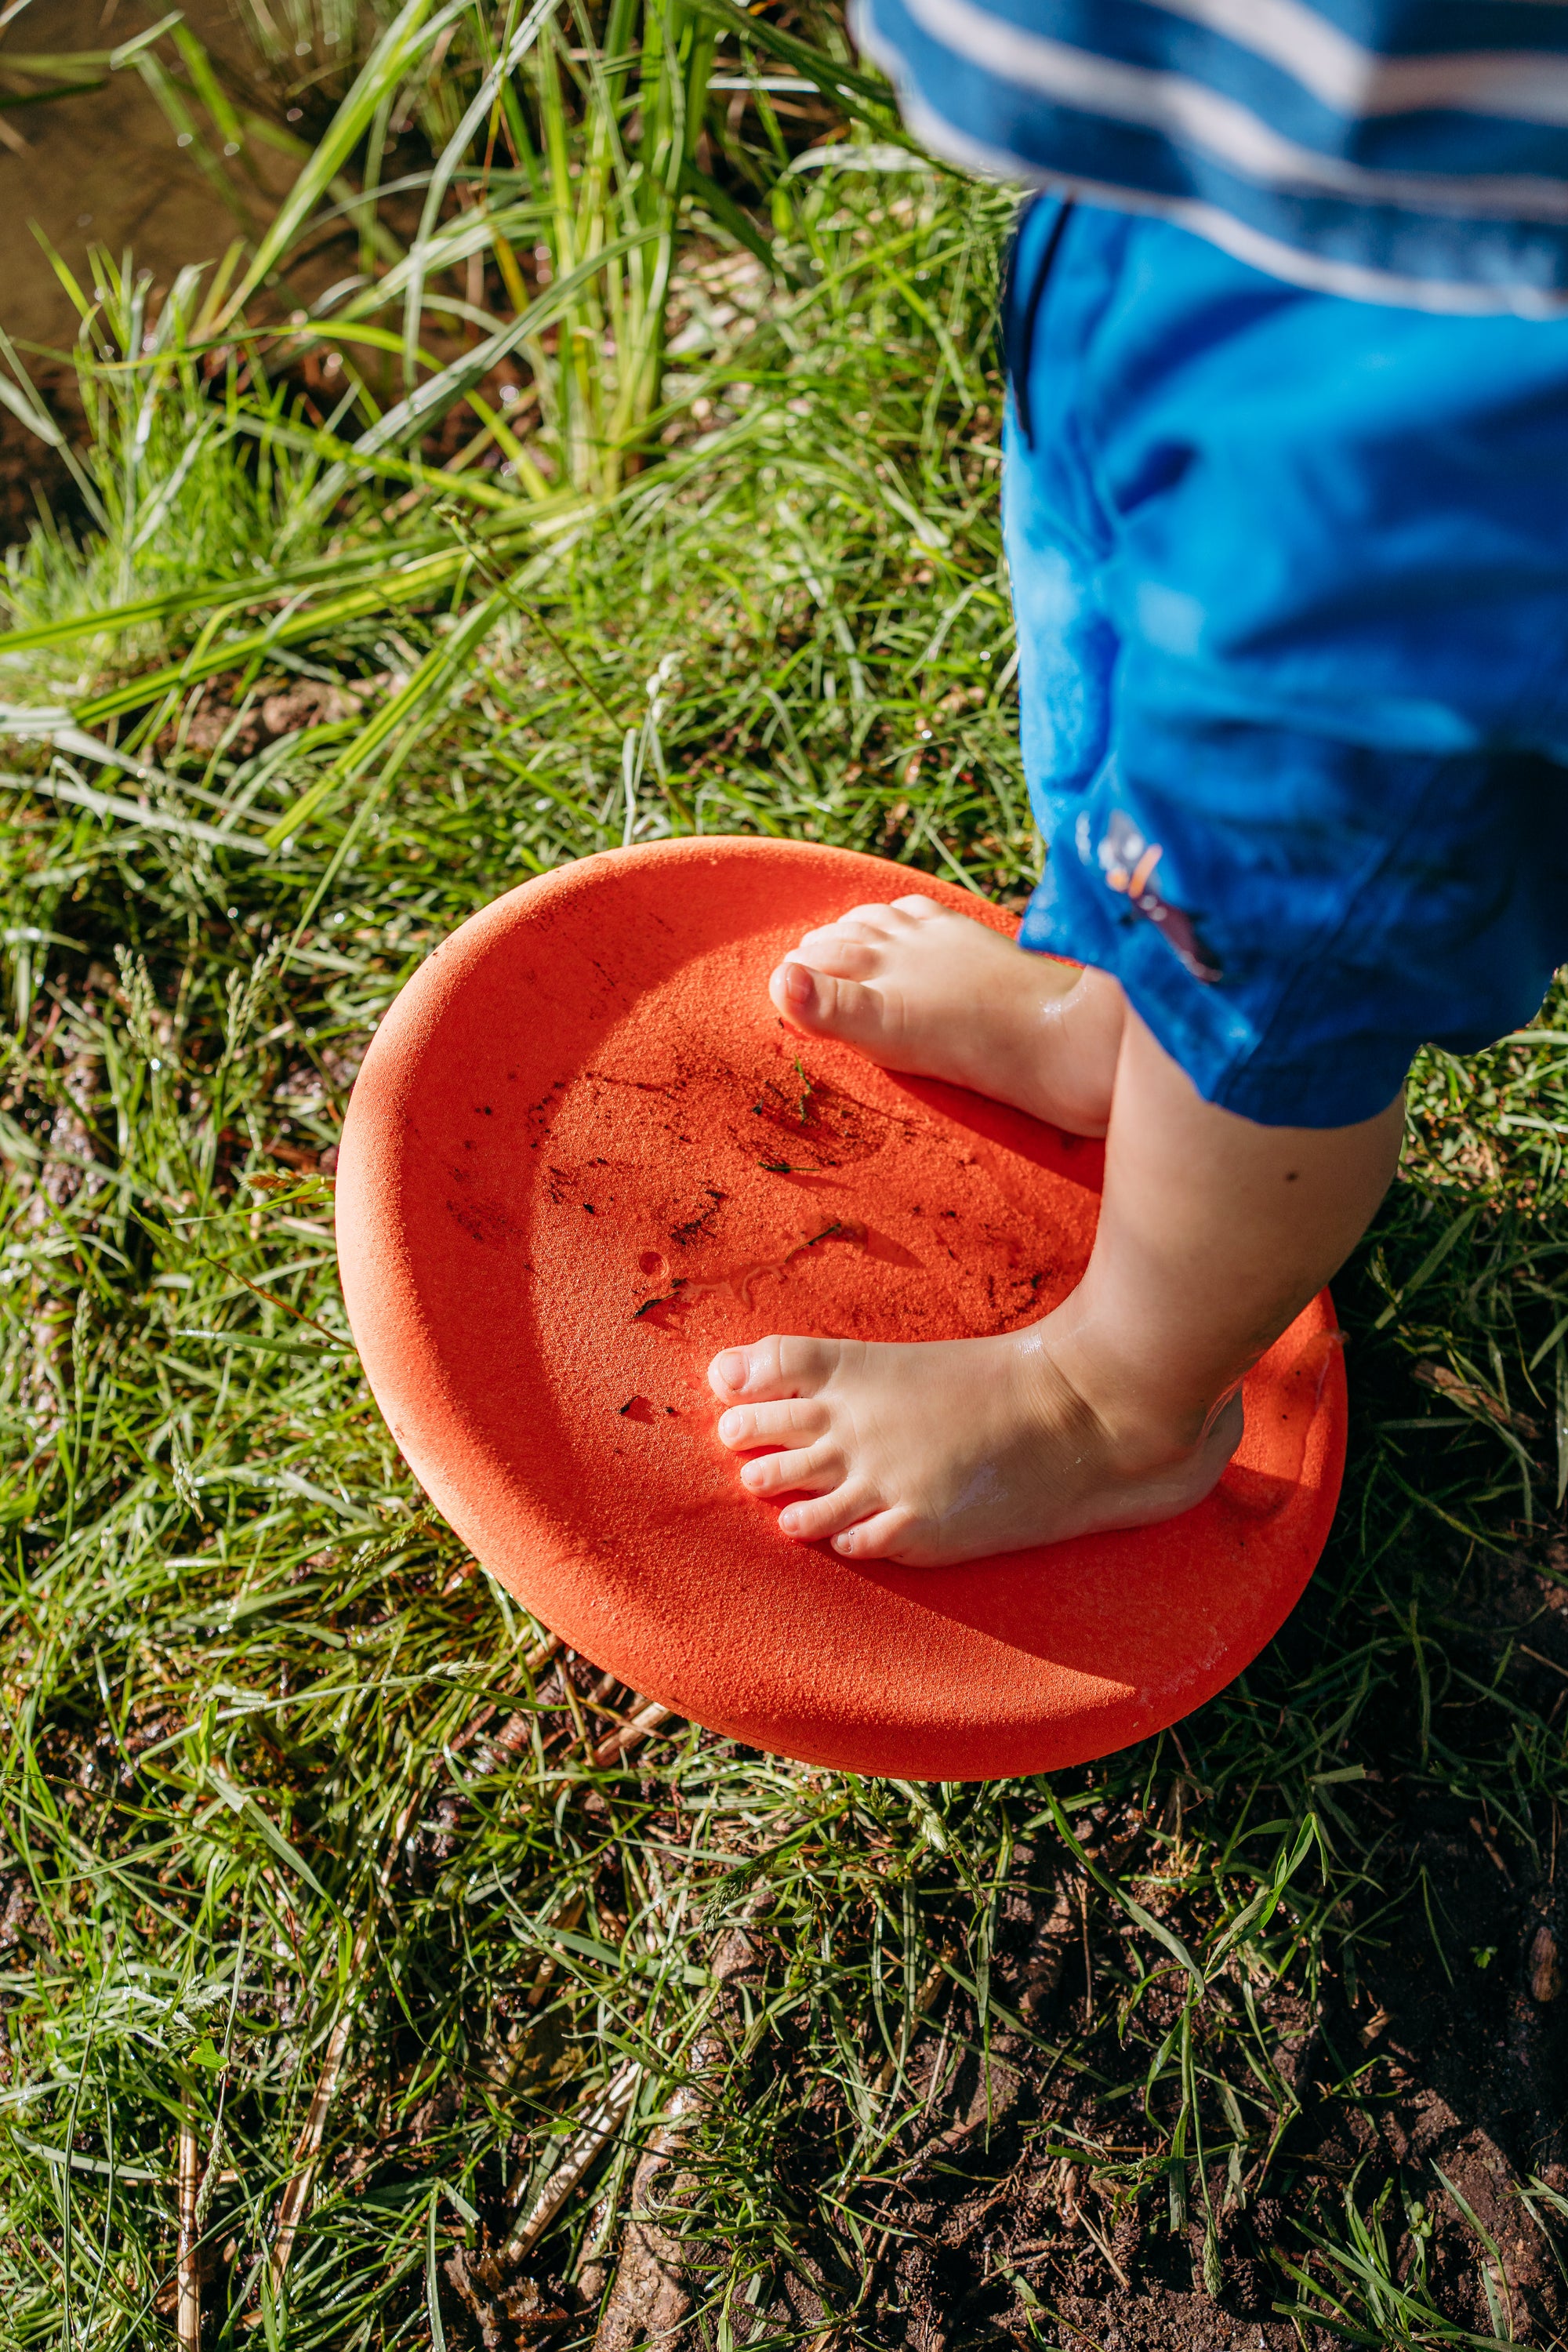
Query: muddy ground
[[103, 165], [990, 2234]]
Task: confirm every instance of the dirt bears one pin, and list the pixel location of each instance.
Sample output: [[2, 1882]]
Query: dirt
[[103, 165], [990, 2232], [100, 164], [1465, 2073]]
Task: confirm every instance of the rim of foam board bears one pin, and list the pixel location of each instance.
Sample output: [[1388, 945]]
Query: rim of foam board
[[572, 1130]]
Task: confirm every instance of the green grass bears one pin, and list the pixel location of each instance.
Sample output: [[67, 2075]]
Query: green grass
[[295, 1804]]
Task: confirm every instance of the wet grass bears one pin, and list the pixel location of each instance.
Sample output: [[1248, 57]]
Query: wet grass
[[370, 1974]]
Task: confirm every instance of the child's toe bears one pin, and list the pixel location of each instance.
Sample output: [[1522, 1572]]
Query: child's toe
[[875, 920], [825, 1514], [753, 1372], [770, 1369], [818, 1000], [881, 1537], [845, 954], [802, 1470], [795, 1421]]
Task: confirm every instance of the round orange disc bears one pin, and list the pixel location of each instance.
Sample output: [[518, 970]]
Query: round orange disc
[[583, 1153]]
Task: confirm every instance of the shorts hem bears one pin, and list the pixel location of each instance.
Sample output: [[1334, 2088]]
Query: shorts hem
[[1351, 1082]]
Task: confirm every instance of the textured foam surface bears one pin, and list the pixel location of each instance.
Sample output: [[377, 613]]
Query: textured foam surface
[[583, 1153]]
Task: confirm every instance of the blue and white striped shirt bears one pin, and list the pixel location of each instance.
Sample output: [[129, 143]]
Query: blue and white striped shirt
[[1398, 150]]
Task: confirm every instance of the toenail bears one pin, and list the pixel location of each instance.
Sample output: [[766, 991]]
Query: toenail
[[729, 1426], [752, 1474], [731, 1369], [787, 1521], [797, 983]]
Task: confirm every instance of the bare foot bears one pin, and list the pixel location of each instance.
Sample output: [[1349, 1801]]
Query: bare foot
[[919, 989], [951, 1449]]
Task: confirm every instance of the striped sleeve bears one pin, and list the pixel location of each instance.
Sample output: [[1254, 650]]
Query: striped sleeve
[[1402, 151]]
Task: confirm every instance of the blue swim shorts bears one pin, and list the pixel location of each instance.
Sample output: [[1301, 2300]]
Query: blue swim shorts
[[1291, 574]]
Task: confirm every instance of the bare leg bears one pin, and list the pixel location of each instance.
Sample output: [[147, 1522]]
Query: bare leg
[[1214, 1233], [1116, 1410]]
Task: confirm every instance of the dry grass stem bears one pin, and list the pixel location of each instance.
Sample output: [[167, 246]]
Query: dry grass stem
[[188, 2277], [649, 2297], [650, 1717], [581, 2152]]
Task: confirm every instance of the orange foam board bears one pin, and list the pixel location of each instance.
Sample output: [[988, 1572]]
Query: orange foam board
[[583, 1153]]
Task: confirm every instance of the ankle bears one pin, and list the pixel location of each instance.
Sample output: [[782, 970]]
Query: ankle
[[1072, 1047], [1147, 1422]]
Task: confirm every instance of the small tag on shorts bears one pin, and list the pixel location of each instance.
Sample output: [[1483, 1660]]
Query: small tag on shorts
[[1128, 861]]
